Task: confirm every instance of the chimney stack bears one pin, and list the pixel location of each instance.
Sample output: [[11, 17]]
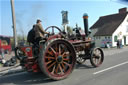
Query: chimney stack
[[85, 18], [123, 10]]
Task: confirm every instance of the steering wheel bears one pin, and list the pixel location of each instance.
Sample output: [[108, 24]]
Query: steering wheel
[[53, 27]]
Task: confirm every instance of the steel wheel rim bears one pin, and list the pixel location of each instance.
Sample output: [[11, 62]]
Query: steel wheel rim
[[19, 53], [59, 59], [97, 57]]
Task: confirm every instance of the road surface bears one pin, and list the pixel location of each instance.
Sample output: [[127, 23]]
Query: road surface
[[113, 71]]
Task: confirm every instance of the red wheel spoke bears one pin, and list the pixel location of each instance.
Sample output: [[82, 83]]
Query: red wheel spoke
[[48, 62], [63, 50], [96, 57], [57, 68], [50, 57], [56, 48], [67, 64], [65, 54], [51, 65], [53, 50], [59, 50], [61, 69], [66, 59], [50, 53], [53, 70]]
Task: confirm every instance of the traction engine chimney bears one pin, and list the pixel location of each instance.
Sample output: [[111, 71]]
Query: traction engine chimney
[[85, 18]]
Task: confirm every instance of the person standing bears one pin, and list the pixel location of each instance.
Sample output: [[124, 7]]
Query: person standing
[[118, 44]]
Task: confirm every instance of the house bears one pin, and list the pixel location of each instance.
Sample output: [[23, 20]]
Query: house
[[110, 28]]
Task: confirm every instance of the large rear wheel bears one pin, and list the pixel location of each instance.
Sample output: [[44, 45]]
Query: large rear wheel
[[57, 59]]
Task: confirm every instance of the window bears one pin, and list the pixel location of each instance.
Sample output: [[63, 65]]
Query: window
[[105, 37], [115, 38], [108, 37], [96, 37], [4, 43]]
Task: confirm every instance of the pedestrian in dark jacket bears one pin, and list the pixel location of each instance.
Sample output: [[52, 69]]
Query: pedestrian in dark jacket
[[118, 44]]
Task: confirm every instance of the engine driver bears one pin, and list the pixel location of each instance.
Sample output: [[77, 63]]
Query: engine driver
[[39, 31]]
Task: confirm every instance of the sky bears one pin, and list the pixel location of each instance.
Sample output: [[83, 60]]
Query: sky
[[49, 11]]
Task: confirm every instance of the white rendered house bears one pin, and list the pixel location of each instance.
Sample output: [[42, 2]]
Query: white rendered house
[[110, 28]]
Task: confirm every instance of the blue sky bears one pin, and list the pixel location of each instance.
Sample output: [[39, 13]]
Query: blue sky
[[49, 11]]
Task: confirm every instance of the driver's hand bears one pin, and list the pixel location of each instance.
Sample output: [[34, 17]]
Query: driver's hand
[[48, 32]]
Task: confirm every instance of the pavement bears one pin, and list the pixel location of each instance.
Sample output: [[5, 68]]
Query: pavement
[[17, 68], [11, 69], [6, 57], [112, 51]]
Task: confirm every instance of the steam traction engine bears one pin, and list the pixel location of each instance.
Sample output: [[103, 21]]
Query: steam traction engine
[[57, 54]]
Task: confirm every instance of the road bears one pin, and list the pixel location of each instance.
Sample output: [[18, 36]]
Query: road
[[114, 71]]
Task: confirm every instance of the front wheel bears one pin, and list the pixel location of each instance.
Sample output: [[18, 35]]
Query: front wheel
[[19, 53], [97, 57], [57, 59]]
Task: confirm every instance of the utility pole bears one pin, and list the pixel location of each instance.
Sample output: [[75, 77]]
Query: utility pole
[[14, 22]]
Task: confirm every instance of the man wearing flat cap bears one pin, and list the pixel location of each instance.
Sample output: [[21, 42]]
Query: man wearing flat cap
[[39, 31]]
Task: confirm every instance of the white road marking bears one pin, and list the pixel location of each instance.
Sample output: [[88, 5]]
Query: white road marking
[[110, 68]]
